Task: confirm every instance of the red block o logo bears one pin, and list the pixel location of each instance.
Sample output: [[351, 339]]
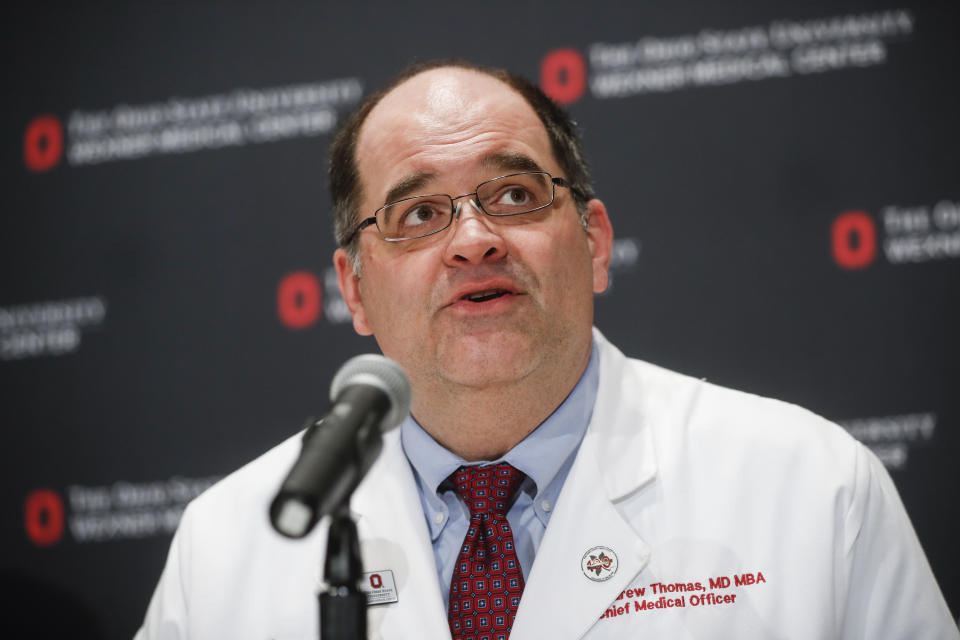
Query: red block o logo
[[43, 143], [43, 517], [563, 75], [298, 299], [854, 240]]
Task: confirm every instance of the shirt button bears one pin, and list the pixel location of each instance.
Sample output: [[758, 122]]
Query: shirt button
[[546, 505], [438, 518]]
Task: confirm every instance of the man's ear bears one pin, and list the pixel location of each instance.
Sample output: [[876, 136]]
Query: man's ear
[[350, 290], [600, 239]]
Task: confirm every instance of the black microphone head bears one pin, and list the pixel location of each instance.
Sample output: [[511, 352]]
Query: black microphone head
[[383, 373]]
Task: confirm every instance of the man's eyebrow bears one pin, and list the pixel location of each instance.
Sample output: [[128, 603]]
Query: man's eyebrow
[[502, 161], [510, 162], [408, 186]]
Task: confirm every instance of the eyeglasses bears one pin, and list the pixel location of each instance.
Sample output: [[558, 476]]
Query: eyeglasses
[[420, 216]]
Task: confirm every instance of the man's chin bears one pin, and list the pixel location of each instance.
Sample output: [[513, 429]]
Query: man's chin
[[488, 360]]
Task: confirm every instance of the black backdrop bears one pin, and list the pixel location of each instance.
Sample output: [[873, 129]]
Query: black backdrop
[[783, 182]]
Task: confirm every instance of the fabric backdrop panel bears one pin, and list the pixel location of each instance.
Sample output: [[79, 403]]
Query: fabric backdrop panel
[[783, 183]]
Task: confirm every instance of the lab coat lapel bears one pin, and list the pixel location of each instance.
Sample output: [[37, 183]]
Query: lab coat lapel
[[615, 460], [394, 537]]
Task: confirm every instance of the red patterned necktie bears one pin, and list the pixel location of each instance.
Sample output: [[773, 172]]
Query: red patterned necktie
[[487, 580]]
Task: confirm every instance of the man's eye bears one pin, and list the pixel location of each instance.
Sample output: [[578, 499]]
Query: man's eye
[[420, 214], [514, 196]]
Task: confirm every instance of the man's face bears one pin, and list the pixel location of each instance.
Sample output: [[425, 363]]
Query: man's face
[[446, 131]]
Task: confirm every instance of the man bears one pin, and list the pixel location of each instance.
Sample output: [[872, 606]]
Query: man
[[629, 501]]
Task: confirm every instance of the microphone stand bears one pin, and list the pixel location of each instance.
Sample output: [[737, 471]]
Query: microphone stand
[[343, 607]]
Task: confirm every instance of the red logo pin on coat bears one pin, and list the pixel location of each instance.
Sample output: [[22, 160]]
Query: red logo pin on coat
[[599, 563]]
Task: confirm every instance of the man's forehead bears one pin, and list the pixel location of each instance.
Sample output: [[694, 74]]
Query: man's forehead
[[442, 94], [443, 106]]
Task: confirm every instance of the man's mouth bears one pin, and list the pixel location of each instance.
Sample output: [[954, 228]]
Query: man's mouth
[[483, 296]]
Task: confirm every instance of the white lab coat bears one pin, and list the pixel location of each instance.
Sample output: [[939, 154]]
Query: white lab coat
[[682, 480]]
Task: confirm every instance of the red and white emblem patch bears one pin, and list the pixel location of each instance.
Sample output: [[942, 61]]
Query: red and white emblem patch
[[599, 564]]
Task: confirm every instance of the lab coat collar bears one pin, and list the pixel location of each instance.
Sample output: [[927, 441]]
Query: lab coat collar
[[615, 461], [623, 437]]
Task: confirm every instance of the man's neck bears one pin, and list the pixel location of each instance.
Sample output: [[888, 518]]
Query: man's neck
[[484, 423]]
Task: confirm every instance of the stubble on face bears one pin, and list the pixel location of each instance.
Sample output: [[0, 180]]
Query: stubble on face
[[486, 351]]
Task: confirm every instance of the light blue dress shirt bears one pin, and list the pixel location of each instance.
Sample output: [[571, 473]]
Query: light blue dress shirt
[[545, 455]]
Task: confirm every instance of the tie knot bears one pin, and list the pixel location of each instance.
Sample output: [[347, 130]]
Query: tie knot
[[488, 489]]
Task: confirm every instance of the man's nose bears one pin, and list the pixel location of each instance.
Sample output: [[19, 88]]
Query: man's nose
[[475, 237]]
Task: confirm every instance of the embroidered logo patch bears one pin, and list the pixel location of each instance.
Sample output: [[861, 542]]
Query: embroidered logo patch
[[599, 564]]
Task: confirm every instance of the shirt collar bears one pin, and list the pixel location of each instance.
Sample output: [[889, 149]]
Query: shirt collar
[[545, 455]]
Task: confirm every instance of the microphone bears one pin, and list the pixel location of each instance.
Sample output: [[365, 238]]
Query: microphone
[[370, 395]]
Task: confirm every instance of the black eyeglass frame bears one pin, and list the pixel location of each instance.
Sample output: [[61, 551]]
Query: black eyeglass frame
[[555, 182]]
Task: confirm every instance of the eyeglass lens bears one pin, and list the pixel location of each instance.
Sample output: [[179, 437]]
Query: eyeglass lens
[[505, 196]]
